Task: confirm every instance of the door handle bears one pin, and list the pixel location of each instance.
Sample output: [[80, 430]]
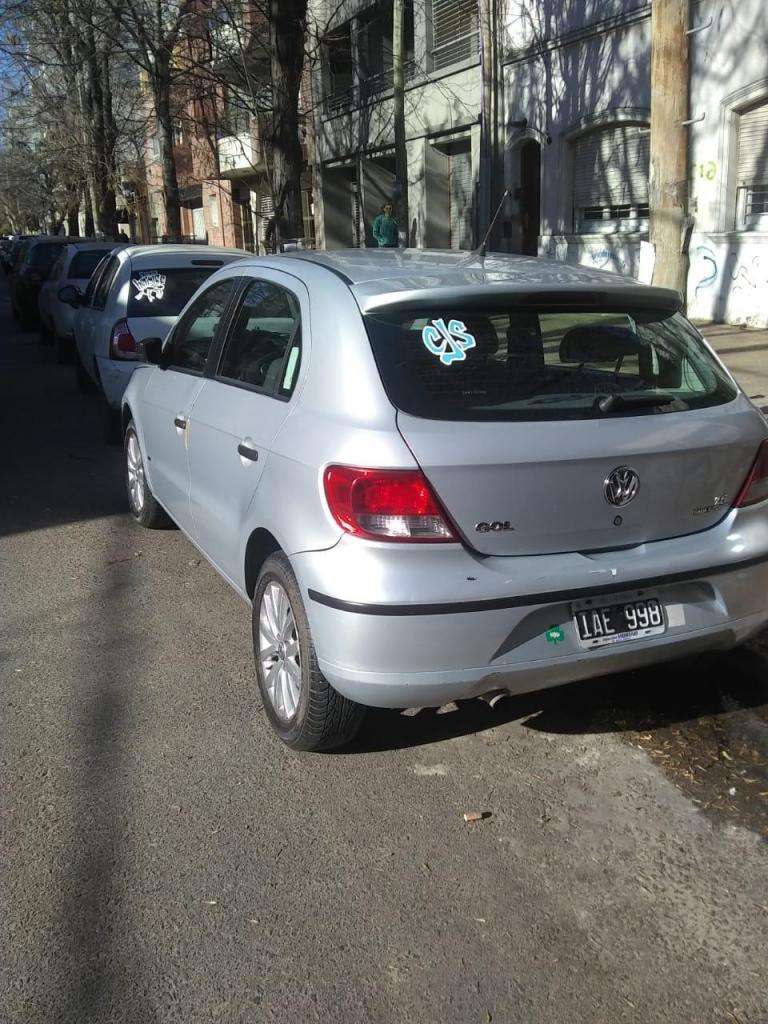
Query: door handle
[[247, 452], [180, 422]]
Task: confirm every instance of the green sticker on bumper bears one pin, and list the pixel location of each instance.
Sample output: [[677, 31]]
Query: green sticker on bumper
[[554, 635]]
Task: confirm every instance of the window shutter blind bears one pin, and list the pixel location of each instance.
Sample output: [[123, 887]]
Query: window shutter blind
[[454, 31], [753, 146], [611, 167]]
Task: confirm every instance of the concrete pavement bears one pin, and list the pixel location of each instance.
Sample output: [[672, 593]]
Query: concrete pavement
[[165, 859]]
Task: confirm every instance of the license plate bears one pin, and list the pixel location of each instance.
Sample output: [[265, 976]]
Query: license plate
[[598, 624]]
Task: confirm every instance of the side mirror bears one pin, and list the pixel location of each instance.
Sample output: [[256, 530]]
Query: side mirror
[[71, 295], [151, 351]]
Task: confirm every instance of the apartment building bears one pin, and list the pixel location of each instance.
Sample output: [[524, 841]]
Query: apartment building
[[571, 135], [221, 137]]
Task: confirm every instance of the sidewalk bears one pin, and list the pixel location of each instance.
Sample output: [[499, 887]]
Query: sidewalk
[[745, 353]]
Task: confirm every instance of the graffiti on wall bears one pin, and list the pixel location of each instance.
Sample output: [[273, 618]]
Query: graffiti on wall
[[607, 259], [727, 283], [708, 269]]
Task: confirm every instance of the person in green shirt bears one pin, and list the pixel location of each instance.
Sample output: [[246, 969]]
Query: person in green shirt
[[385, 228]]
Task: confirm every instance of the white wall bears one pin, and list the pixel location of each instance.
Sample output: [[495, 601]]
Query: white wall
[[728, 278], [564, 76]]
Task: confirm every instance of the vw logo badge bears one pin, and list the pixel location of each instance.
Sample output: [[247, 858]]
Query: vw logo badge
[[621, 486]]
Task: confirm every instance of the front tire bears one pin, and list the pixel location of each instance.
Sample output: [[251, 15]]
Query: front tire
[[303, 708], [144, 507]]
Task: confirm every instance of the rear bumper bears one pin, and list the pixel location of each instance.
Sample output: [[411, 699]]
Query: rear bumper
[[406, 626], [115, 376]]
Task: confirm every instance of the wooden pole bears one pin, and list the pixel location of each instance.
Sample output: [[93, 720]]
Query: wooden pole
[[485, 188], [669, 141], [398, 99]]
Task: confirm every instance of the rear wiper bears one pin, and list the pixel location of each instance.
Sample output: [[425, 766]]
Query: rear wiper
[[607, 404]]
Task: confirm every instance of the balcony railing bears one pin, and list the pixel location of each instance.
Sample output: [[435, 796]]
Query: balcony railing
[[383, 80], [238, 153]]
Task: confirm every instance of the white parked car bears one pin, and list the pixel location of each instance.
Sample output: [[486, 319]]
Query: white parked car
[[75, 266], [136, 293]]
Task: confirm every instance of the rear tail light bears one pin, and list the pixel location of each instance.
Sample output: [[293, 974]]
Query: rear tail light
[[756, 485], [386, 504], [122, 344]]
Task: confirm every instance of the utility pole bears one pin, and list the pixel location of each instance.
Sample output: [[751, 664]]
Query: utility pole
[[487, 117], [669, 141], [398, 100]]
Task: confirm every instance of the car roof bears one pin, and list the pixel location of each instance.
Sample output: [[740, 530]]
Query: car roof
[[94, 243], [401, 277], [201, 251]]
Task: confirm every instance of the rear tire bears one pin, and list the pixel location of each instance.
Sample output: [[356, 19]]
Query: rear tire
[[63, 350], [111, 422], [84, 383], [303, 708], [141, 501], [46, 337]]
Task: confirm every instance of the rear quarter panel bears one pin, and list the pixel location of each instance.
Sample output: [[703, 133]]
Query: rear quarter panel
[[339, 414]]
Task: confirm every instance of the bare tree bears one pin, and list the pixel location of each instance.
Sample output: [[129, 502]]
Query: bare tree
[[153, 31]]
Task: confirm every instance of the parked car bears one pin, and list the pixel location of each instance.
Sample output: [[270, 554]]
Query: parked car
[[75, 265], [436, 480], [136, 293], [10, 254], [33, 264]]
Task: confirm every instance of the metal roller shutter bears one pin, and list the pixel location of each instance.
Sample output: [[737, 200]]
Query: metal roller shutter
[[611, 167], [753, 146], [454, 31], [460, 196]]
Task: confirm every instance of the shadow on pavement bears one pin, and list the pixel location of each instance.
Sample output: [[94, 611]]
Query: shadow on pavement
[[703, 721]]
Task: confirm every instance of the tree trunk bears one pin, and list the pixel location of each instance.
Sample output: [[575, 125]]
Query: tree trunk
[[398, 102], [287, 25], [164, 116], [73, 218], [669, 141]]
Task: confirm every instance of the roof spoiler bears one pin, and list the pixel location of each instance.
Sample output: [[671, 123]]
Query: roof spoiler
[[482, 297]]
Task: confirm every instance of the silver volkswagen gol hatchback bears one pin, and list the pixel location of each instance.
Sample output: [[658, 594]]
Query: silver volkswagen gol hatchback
[[436, 478]]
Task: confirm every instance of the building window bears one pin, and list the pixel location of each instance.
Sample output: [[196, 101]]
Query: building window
[[752, 169], [454, 32], [339, 76], [610, 179], [235, 116], [375, 46]]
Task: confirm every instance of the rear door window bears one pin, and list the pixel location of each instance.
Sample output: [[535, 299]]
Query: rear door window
[[531, 364], [263, 347], [165, 291], [44, 255], [193, 337], [101, 289], [84, 263]]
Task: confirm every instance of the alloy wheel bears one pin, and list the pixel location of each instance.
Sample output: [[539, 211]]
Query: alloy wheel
[[279, 654], [137, 487]]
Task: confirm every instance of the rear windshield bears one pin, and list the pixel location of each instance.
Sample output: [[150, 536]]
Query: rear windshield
[[165, 292], [543, 365], [44, 255], [84, 263]]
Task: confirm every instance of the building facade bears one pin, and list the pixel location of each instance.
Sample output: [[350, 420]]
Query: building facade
[[570, 135]]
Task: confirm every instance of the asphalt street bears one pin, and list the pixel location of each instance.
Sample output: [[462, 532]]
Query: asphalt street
[[166, 859]]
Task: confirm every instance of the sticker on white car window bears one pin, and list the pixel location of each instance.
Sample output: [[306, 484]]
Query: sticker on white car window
[[449, 343], [149, 286]]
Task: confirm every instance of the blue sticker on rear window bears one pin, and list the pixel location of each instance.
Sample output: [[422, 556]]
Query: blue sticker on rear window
[[449, 343]]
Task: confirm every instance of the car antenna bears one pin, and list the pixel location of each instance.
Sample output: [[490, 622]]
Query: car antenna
[[479, 252]]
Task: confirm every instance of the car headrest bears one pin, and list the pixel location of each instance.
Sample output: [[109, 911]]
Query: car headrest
[[598, 343], [484, 333]]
